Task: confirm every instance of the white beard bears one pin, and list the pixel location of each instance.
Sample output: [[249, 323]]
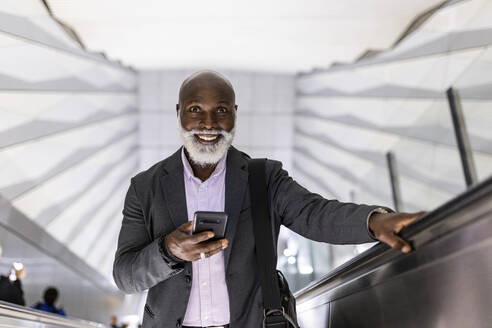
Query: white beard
[[205, 155]]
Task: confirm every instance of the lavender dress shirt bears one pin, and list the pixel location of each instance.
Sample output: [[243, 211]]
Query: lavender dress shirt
[[208, 304]]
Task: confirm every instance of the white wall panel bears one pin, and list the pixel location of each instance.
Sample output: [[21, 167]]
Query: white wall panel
[[30, 160], [244, 126], [68, 141], [359, 166], [74, 183], [158, 129], [96, 228], [85, 206], [150, 155]]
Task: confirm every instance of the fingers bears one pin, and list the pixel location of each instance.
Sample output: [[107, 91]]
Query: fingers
[[407, 220], [202, 236], [396, 242], [186, 227], [386, 229], [211, 248]]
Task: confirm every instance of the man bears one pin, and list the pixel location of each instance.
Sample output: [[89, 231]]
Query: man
[[11, 286], [50, 296], [194, 282]]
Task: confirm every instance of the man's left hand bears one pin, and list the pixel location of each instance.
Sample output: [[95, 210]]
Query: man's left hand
[[386, 227]]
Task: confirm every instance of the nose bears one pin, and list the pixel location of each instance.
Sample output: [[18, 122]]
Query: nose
[[208, 121]]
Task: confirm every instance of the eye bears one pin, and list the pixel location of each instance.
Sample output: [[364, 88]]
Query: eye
[[222, 110], [194, 109]]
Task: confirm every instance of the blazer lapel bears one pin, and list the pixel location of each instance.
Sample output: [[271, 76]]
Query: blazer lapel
[[236, 182], [172, 185]]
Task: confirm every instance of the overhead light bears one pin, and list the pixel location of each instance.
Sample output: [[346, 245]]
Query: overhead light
[[290, 252], [305, 269], [291, 260]]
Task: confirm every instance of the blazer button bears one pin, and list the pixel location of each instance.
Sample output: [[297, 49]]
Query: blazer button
[[188, 279]]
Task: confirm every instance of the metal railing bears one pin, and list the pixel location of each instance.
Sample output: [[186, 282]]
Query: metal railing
[[12, 315], [450, 242]]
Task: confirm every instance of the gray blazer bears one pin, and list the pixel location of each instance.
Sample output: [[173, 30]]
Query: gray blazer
[[155, 205]]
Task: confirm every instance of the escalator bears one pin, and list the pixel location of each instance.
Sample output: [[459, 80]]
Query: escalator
[[14, 316], [445, 282]]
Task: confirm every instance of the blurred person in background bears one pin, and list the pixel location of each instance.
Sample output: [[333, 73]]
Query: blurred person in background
[[11, 286], [114, 321], [50, 296]]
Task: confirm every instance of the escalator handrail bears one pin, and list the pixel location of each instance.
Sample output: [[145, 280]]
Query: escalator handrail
[[24, 313], [360, 263]]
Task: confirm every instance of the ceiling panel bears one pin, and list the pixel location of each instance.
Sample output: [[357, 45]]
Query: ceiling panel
[[257, 35]]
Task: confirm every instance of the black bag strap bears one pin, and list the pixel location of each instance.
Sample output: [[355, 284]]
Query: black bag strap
[[262, 228]]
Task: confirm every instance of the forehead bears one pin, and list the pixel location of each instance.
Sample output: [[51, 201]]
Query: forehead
[[206, 91]]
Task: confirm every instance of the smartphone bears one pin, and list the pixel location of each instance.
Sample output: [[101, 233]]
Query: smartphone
[[210, 221]]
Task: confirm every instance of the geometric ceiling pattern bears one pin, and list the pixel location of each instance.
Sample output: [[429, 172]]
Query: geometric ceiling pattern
[[270, 36], [68, 133], [349, 116]]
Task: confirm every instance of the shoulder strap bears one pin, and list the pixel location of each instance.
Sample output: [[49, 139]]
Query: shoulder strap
[[262, 228]]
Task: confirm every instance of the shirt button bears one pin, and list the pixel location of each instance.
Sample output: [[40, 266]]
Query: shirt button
[[204, 283]]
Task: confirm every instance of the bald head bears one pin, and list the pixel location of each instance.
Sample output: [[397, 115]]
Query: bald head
[[206, 80]]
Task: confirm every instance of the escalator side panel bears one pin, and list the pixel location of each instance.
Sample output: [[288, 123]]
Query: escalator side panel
[[446, 283]]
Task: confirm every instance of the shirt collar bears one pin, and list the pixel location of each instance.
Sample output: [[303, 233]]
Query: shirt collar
[[188, 171]]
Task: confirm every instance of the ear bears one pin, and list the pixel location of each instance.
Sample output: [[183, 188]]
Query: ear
[[177, 109], [235, 107]]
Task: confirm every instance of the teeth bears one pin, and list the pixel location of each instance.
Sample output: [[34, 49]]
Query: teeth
[[207, 138]]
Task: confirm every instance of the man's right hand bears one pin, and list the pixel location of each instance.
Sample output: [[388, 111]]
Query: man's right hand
[[183, 245]]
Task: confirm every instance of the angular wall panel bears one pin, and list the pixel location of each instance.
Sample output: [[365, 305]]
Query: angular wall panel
[[349, 116], [68, 133]]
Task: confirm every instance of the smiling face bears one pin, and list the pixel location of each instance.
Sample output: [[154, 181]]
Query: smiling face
[[206, 117]]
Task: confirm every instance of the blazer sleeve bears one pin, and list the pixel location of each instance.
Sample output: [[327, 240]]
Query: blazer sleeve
[[138, 264], [313, 216]]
